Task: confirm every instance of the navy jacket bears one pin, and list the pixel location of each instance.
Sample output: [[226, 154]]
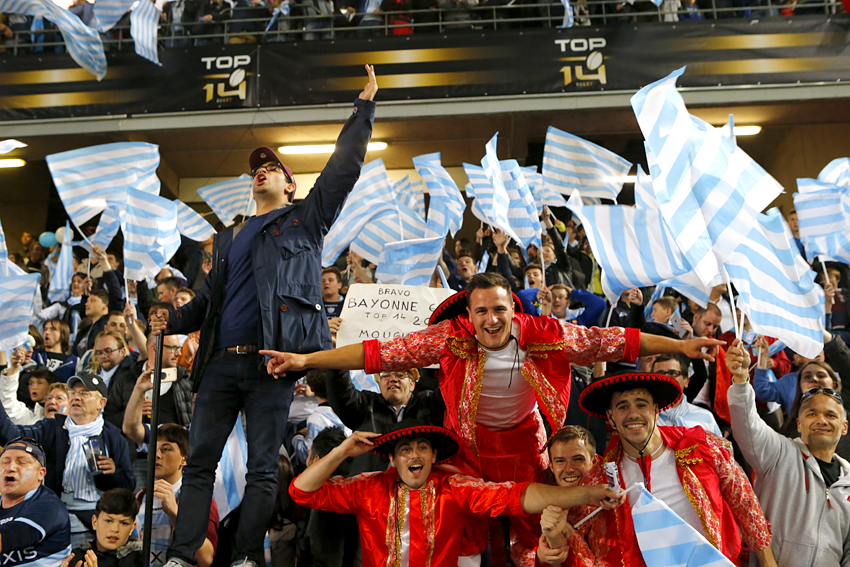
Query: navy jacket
[[53, 436], [287, 260]]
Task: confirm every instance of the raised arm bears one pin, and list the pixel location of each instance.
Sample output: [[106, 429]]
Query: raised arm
[[536, 497], [316, 474], [133, 426]]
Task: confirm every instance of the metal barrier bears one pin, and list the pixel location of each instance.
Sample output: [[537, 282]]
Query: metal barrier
[[451, 16]]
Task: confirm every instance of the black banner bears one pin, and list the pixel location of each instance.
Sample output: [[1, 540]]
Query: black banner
[[432, 66]]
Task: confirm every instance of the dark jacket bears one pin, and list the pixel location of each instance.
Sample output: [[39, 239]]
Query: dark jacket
[[128, 555], [121, 388], [53, 436], [368, 411], [287, 260], [90, 332]]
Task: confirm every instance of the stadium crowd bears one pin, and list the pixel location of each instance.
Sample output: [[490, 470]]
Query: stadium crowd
[[540, 386], [202, 22]]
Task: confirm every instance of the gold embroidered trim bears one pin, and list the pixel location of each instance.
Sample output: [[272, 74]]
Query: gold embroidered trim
[[539, 349], [393, 538], [700, 510], [427, 500], [462, 347], [539, 382], [682, 453], [470, 394]]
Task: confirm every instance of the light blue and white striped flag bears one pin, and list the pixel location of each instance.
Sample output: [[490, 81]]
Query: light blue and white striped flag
[[4, 251], [571, 163], [491, 200], [150, 234], [401, 223], [821, 216], [60, 283], [542, 193], [110, 221], [410, 262], [230, 473], [569, 18], [411, 194], [7, 146], [632, 245], [229, 199], [364, 382], [191, 224], [144, 20], [108, 12], [836, 172], [776, 288], [666, 540], [83, 42], [17, 297], [89, 179], [522, 212], [709, 190], [371, 198], [657, 294], [445, 211]]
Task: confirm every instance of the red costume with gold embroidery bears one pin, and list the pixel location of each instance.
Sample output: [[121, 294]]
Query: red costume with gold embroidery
[[513, 454], [714, 483], [400, 526]]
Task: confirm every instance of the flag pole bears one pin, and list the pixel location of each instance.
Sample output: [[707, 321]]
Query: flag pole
[[822, 259], [154, 424], [732, 303], [443, 278], [589, 516]]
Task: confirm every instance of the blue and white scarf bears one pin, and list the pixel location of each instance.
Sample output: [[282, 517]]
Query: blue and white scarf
[[77, 478]]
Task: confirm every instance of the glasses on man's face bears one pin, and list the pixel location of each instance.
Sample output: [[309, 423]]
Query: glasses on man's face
[[396, 375], [83, 395], [56, 398], [670, 373], [825, 391], [270, 168], [173, 349], [106, 351]]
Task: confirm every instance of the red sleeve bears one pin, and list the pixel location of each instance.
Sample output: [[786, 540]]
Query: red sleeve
[[212, 529], [584, 345], [413, 350], [632, 349], [483, 498], [338, 494], [372, 356]]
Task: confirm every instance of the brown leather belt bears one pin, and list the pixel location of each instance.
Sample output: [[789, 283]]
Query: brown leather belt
[[244, 349]]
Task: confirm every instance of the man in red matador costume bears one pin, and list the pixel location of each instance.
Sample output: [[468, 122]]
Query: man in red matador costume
[[411, 515], [497, 366], [691, 470]]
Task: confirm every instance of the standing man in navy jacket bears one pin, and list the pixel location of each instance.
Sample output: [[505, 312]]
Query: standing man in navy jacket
[[264, 292]]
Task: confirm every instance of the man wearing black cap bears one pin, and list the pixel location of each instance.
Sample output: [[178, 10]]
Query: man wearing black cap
[[34, 528], [76, 474], [417, 509], [264, 291], [691, 470]]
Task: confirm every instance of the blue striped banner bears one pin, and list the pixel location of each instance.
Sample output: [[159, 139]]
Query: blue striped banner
[[400, 223], [666, 540], [411, 194], [522, 212], [144, 20], [821, 216], [445, 211], [90, 179], [150, 234], [371, 198], [230, 483], [107, 227], [571, 163], [108, 12], [60, 284], [410, 262], [83, 43], [776, 288], [17, 296], [837, 172], [229, 199], [491, 202], [709, 190], [191, 224]]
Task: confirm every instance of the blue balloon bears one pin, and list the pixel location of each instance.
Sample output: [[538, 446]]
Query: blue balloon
[[47, 239]]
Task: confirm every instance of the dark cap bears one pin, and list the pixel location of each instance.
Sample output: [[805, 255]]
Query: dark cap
[[265, 155], [444, 441], [596, 398], [28, 446], [90, 382]]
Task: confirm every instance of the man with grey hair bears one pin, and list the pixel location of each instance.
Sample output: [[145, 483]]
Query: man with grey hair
[[796, 478]]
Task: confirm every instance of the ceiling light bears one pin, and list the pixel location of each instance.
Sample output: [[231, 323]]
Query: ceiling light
[[746, 130], [629, 179], [12, 163], [325, 148]]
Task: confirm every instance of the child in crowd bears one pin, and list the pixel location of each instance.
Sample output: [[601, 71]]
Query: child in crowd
[[113, 522]]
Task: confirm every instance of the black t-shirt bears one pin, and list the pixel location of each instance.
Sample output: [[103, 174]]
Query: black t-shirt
[[333, 308], [830, 471], [35, 531]]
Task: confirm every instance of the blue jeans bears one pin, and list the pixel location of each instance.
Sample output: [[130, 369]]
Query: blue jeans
[[230, 383]]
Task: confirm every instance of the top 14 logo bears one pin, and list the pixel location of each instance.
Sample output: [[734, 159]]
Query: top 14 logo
[[583, 69], [231, 84]]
